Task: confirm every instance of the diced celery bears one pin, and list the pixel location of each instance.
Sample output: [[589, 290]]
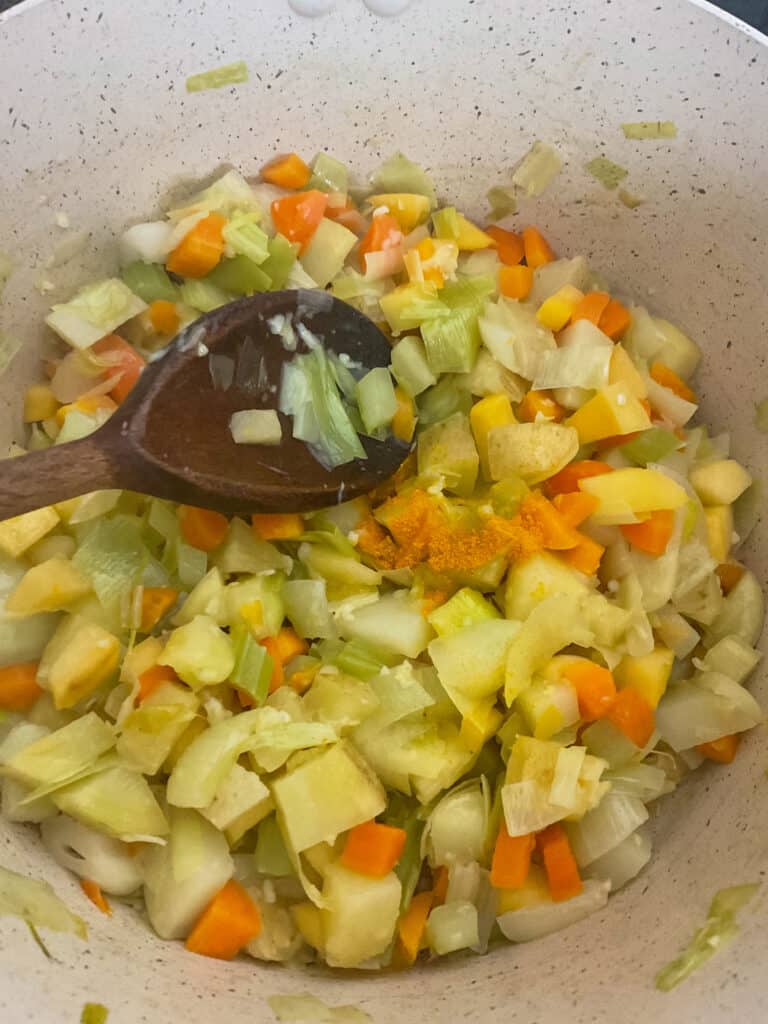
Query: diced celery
[[204, 294], [150, 732], [540, 165], [358, 659], [327, 251], [329, 175], [442, 401], [279, 263], [534, 922], [199, 652], [247, 239], [217, 78], [410, 367], [150, 282], [448, 450], [306, 605], [376, 399], [253, 665], [89, 854], [650, 446], [452, 343], [237, 276], [116, 801], [360, 915], [392, 625], [399, 174]]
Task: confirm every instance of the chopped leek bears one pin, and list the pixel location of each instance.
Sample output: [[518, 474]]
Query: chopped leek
[[279, 263], [227, 74], [329, 175], [311, 1010], [536, 171], [452, 343], [36, 903], [606, 171], [96, 310], [649, 130]]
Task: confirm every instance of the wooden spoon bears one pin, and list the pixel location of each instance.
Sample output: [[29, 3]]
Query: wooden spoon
[[170, 438]]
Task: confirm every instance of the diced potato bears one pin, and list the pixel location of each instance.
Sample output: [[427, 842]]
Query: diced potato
[[55, 545], [541, 576], [491, 411], [241, 801], [555, 312], [150, 732], [78, 658], [309, 921], [648, 674], [532, 451], [623, 371], [719, 523], [720, 482], [199, 652], [448, 450], [48, 587], [21, 532], [360, 916], [613, 411], [630, 495]]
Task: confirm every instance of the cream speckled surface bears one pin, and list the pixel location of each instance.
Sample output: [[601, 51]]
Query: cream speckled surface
[[94, 117]]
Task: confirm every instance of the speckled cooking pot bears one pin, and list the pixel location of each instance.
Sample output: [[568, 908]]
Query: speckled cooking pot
[[95, 122]]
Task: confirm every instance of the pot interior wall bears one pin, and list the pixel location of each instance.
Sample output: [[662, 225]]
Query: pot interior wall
[[96, 123]]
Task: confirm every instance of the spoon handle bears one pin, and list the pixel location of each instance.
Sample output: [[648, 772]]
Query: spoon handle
[[55, 474]]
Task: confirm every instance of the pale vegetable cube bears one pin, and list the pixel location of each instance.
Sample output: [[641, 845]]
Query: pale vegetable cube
[[48, 587], [551, 277], [648, 674], [199, 652], [453, 926], [117, 802], [63, 754], [328, 794], [629, 495], [360, 915], [393, 624], [78, 658], [150, 732], [448, 450], [720, 482], [719, 523], [531, 451], [256, 426], [465, 608], [489, 377], [307, 918], [732, 657], [534, 890], [741, 614], [141, 657], [55, 545], [327, 250], [241, 801], [206, 598], [15, 806], [21, 532], [473, 660], [613, 411], [279, 939], [531, 581]]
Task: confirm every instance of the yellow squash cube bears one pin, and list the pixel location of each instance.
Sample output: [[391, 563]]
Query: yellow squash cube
[[630, 495], [719, 522], [491, 411], [39, 403], [408, 208], [613, 411], [720, 482], [21, 532], [623, 371], [78, 658], [555, 312], [471, 237], [648, 674], [48, 587]]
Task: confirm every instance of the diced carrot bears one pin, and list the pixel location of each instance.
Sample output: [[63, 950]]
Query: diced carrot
[[585, 556], [615, 320], [440, 886], [669, 379], [404, 420], [567, 479], [96, 896], [722, 750], [287, 171], [633, 716], [537, 248], [125, 364], [537, 404], [229, 922], [18, 686], [297, 216], [511, 859], [575, 506], [515, 282], [155, 602], [278, 525], [201, 249], [556, 534], [653, 534], [384, 233], [152, 679], [509, 246], [164, 316], [591, 307], [412, 925], [729, 574], [559, 863], [281, 648], [594, 686], [373, 849], [202, 528]]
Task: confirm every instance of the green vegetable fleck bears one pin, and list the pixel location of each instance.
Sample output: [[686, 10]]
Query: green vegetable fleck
[[312, 1010], [502, 202], [606, 171], [761, 415], [649, 130], [228, 74], [629, 199], [94, 1013]]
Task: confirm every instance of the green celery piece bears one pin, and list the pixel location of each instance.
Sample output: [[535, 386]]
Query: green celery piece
[[240, 275], [410, 367], [227, 74], [338, 442], [468, 292], [606, 171], [358, 660], [246, 237], [399, 174], [452, 343], [277, 266], [150, 282], [328, 175], [94, 1013], [502, 201], [442, 401], [253, 665], [650, 446], [271, 856], [204, 295]]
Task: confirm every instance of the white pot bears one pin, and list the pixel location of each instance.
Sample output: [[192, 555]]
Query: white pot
[[94, 117]]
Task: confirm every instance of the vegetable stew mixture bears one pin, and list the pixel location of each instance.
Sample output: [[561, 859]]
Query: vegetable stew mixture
[[410, 724]]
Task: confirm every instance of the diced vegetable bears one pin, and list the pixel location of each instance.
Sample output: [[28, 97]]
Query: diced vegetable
[[360, 915], [534, 922], [36, 903], [96, 310]]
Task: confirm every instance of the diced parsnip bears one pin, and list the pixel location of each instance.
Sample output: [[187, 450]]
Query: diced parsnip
[[241, 801], [150, 732], [677, 350], [613, 411], [328, 248], [199, 652], [630, 495], [116, 801], [719, 522], [48, 587], [541, 576], [78, 658], [360, 915], [392, 625], [623, 371], [491, 411], [91, 855], [473, 660], [531, 451], [325, 795], [448, 450], [21, 532], [742, 613], [182, 877], [548, 708], [646, 673], [720, 482]]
